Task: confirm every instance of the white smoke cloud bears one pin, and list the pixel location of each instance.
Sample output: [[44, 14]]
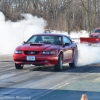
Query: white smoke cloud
[[13, 34], [88, 54]]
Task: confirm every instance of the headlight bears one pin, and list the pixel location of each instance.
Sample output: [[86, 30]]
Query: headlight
[[18, 52], [48, 52]]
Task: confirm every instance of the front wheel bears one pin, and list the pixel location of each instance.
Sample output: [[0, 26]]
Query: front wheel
[[74, 63], [18, 66], [59, 65]]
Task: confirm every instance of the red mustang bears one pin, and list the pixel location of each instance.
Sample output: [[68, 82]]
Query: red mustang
[[46, 50]]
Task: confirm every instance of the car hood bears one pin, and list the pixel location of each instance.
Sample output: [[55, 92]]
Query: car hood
[[38, 47], [95, 33]]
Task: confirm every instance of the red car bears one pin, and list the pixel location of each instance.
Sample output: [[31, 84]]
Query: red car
[[95, 33], [46, 50]]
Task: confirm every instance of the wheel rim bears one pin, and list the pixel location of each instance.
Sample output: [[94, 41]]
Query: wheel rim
[[60, 61], [75, 58], [22, 66]]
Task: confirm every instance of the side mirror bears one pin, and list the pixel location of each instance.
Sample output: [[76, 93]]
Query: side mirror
[[23, 42], [66, 44]]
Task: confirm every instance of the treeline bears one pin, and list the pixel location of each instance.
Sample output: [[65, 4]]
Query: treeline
[[62, 15]]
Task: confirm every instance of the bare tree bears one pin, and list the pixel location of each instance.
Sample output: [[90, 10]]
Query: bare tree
[[65, 15]]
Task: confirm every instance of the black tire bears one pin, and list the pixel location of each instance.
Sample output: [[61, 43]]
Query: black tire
[[96, 37], [59, 65], [74, 63], [18, 66]]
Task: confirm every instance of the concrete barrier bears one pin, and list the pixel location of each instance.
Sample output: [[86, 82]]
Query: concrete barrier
[[84, 97]]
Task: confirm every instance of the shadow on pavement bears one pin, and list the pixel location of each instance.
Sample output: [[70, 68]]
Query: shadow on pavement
[[83, 69]]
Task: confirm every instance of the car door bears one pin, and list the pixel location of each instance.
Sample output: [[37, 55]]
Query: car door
[[67, 49]]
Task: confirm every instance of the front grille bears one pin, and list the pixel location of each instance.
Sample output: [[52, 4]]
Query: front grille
[[31, 52], [31, 61], [36, 61]]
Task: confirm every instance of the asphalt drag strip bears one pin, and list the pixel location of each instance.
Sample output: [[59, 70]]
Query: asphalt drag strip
[[33, 83]]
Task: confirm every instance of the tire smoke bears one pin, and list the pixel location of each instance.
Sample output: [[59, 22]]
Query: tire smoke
[[13, 34]]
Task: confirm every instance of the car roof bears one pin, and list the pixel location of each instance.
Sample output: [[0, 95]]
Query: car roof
[[51, 34], [97, 28]]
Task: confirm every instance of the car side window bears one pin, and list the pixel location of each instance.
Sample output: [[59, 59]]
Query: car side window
[[66, 40]]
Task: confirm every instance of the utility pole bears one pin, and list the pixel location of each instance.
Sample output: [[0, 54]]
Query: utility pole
[[68, 17], [89, 24]]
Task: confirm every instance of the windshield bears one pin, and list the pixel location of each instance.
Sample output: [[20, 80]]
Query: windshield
[[57, 40], [96, 31]]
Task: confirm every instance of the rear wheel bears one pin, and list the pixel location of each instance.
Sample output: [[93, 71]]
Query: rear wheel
[[74, 63], [18, 66], [59, 65]]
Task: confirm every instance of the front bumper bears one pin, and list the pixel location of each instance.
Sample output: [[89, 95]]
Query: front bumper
[[46, 60]]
